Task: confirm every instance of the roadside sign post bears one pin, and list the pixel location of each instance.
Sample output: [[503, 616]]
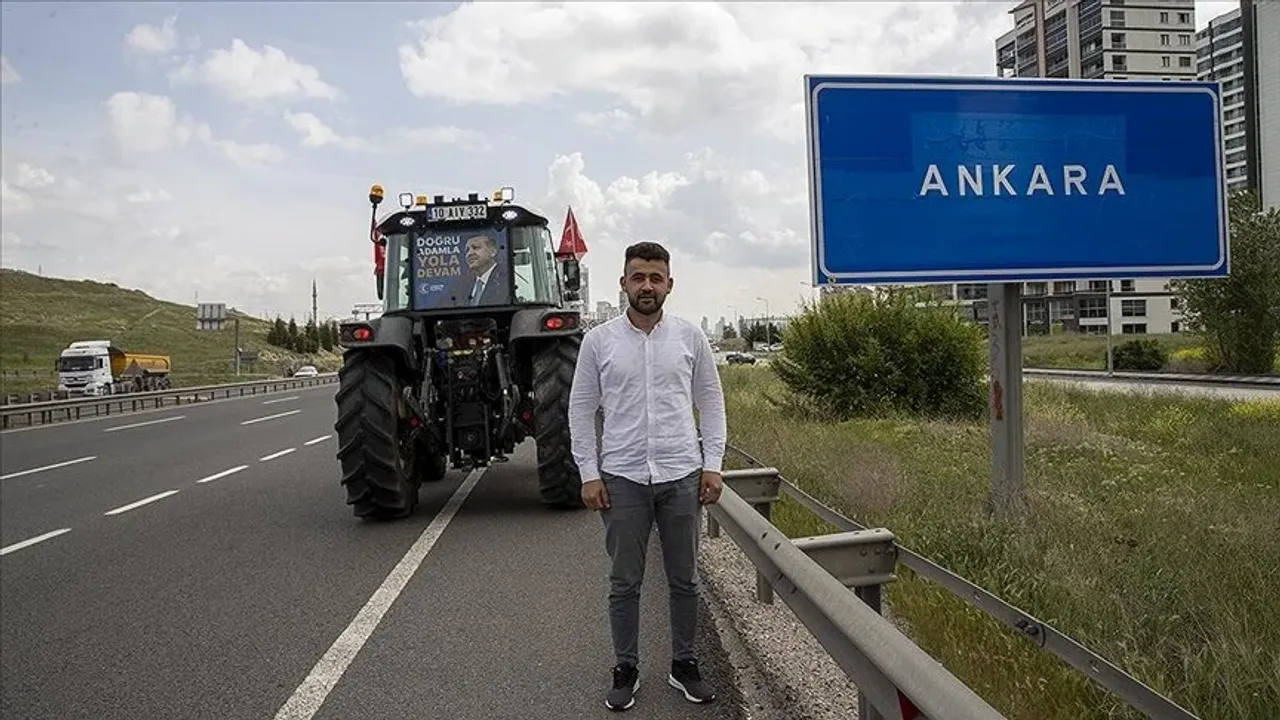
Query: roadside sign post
[[1001, 181], [211, 316]]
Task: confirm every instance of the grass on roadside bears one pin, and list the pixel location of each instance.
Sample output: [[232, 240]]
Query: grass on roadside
[[40, 316], [1152, 536]]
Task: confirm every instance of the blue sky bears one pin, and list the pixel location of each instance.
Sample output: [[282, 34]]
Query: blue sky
[[226, 148]]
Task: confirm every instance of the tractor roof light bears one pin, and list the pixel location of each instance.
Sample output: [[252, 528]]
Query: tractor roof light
[[375, 195], [421, 200], [504, 194], [406, 200]]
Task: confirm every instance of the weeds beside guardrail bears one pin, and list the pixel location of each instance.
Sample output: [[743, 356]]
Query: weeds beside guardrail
[[1124, 686], [55, 411]]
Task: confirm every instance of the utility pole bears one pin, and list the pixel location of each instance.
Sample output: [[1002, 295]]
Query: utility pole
[[315, 317]]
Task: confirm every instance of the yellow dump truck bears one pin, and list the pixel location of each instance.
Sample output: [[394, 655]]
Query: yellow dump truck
[[96, 367]]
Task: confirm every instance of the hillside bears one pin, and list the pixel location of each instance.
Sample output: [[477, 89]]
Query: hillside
[[40, 316]]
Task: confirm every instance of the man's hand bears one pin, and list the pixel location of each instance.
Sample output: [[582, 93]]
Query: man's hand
[[709, 488], [594, 496]]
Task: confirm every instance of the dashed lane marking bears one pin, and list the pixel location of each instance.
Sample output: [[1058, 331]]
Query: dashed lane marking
[[224, 473], [130, 426], [320, 439], [54, 466], [275, 455], [32, 541], [270, 417], [140, 503]]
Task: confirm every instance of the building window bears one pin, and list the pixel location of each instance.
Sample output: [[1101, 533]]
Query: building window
[[1133, 308], [1134, 328], [1064, 287], [1117, 41], [1184, 61], [1037, 288], [1184, 39], [1184, 18], [1164, 38], [1165, 61], [1117, 18], [1093, 307], [1119, 62], [1126, 286], [1164, 17], [1099, 285], [1175, 326], [1173, 303]]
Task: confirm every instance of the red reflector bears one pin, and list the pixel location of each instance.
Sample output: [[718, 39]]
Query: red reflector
[[555, 322], [362, 334]]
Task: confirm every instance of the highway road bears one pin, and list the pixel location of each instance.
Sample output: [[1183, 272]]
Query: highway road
[[201, 562]]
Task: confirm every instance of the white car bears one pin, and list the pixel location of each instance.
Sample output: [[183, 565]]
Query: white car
[[307, 371]]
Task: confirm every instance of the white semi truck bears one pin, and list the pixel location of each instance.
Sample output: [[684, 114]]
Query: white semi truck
[[96, 367]]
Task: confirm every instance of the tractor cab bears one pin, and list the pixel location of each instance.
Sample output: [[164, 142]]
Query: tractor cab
[[465, 255]]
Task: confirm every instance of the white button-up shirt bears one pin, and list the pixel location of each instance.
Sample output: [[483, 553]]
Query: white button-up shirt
[[647, 385]]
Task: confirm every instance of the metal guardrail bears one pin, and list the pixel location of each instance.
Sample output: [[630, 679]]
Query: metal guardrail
[[769, 483], [896, 679], [1244, 381], [55, 411]]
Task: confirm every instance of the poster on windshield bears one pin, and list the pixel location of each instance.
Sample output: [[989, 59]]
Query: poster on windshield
[[455, 269]]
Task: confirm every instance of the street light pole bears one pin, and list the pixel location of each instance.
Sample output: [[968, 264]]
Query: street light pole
[[768, 334]]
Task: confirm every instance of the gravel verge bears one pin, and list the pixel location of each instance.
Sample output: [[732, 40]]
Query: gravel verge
[[784, 672]]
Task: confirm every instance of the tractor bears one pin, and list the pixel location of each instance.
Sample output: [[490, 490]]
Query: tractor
[[473, 352]]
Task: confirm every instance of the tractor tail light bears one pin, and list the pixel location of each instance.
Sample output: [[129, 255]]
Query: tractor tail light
[[554, 322], [361, 334]]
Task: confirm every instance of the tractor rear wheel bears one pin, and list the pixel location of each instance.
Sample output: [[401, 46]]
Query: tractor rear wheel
[[559, 483], [381, 457]]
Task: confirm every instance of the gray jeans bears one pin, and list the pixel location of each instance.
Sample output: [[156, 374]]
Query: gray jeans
[[628, 523]]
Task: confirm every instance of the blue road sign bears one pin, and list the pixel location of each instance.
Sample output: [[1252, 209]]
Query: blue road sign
[[923, 180]]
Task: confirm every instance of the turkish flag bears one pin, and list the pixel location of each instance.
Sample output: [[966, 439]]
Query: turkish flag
[[571, 241]]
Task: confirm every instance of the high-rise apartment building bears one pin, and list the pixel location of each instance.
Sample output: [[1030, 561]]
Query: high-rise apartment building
[[1109, 40], [1220, 57]]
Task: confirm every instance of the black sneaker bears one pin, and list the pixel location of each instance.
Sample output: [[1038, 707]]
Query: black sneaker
[[626, 680], [686, 678]]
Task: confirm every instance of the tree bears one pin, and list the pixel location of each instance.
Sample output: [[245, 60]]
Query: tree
[[729, 333], [293, 334], [1239, 316]]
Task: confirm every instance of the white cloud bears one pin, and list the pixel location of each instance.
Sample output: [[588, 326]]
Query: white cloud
[[8, 73], [668, 67], [316, 134], [152, 39], [251, 76], [143, 124]]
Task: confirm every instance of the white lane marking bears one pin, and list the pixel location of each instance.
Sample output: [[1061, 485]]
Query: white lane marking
[[317, 440], [144, 424], [140, 503], [310, 695], [32, 541], [152, 411], [270, 417], [275, 455], [279, 400], [224, 473], [54, 466]]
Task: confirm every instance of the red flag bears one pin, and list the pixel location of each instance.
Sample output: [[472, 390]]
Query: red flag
[[571, 240]]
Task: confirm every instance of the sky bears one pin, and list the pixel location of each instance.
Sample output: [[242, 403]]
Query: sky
[[223, 152]]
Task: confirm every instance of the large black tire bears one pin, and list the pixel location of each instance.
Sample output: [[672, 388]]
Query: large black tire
[[559, 483], [380, 466]]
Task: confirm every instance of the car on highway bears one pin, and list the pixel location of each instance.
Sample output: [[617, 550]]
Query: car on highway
[[307, 371], [737, 358]]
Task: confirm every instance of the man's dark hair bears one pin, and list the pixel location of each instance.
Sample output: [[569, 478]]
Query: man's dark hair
[[647, 251]]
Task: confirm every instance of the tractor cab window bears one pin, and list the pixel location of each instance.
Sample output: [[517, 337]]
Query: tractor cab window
[[533, 266], [398, 282]]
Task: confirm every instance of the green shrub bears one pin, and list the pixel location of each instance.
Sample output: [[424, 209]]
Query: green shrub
[[855, 355], [1139, 355]]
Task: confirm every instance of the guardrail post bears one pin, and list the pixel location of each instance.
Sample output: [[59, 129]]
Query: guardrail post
[[760, 488], [862, 560]]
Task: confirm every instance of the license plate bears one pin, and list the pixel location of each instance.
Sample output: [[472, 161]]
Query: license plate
[[460, 212]]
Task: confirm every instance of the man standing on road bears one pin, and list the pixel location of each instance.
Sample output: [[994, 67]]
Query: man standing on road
[[647, 371]]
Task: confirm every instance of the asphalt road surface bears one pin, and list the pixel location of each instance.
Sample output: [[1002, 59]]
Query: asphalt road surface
[[200, 562]]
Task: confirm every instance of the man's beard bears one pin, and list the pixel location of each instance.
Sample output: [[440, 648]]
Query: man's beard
[[645, 309]]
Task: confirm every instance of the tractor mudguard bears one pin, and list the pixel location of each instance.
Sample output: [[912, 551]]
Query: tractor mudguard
[[388, 331], [533, 323]]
